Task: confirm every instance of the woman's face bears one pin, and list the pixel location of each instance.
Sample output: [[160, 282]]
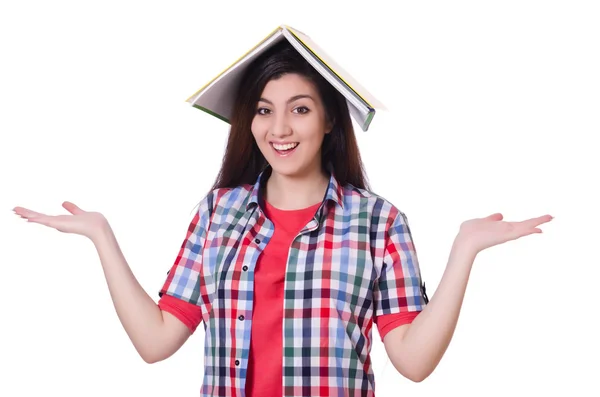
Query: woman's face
[[289, 125]]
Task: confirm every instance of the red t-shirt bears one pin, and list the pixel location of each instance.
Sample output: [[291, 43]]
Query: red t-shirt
[[266, 351]]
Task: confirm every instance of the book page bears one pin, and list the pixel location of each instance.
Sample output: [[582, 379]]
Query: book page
[[218, 95], [341, 72]]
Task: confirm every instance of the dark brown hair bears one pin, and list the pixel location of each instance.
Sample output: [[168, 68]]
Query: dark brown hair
[[243, 160]]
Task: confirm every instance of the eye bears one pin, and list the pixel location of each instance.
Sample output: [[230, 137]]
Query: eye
[[262, 111], [302, 109]]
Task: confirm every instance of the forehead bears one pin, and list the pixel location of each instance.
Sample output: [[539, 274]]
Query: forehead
[[289, 85]]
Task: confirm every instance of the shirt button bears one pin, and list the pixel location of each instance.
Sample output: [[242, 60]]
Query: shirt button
[[241, 318], [237, 362], [257, 241], [245, 268]]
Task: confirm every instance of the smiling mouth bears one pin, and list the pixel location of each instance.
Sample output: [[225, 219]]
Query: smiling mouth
[[284, 150]]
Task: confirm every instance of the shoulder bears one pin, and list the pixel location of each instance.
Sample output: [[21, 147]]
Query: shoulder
[[222, 200], [359, 200]]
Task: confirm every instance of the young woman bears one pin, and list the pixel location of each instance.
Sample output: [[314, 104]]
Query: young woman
[[290, 258]]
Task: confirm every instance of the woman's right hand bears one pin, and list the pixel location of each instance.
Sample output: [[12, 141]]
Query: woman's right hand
[[81, 222]]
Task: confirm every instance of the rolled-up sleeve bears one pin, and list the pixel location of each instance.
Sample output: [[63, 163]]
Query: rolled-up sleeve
[[399, 288], [184, 277]]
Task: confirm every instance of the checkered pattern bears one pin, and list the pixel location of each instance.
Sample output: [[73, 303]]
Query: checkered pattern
[[354, 260]]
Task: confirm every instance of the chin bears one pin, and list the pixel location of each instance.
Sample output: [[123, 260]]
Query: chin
[[289, 170]]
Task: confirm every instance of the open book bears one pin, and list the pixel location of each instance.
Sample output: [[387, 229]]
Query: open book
[[217, 97]]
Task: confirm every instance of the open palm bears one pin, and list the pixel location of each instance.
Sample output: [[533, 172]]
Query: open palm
[[482, 233], [81, 222]]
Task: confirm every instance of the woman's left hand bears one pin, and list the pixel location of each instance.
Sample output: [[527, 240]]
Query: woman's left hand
[[481, 233]]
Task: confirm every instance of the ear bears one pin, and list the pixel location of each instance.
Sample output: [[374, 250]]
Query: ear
[[329, 126]]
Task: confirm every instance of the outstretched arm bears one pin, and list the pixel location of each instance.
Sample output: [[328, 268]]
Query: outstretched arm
[[155, 334], [416, 349]]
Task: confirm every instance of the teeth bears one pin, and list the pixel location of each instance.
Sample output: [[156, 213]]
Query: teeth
[[285, 147]]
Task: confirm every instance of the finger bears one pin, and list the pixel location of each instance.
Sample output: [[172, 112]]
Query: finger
[[533, 222], [546, 218], [41, 220], [542, 219], [531, 231], [26, 213], [497, 216], [522, 231], [72, 208], [54, 222]]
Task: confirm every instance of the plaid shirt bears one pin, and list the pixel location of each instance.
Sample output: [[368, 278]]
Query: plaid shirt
[[354, 260]]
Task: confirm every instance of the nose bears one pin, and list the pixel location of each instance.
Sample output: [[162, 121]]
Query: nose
[[280, 126]]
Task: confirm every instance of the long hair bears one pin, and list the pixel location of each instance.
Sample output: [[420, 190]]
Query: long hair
[[243, 160]]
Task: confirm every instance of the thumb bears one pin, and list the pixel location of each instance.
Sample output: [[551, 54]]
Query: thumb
[[72, 208], [495, 217]]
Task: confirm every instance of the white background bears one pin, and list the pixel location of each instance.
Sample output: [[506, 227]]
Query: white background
[[492, 106]]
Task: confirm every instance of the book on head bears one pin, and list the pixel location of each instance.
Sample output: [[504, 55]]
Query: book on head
[[217, 96]]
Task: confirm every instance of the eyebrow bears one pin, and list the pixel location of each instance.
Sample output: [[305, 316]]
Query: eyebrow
[[292, 99]]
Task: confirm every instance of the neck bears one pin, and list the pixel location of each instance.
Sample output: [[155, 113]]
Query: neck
[[296, 192]]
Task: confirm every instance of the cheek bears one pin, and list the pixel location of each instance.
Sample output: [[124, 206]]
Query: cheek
[[311, 132], [256, 129]]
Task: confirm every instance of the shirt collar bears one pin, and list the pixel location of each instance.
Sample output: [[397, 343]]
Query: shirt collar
[[334, 189]]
